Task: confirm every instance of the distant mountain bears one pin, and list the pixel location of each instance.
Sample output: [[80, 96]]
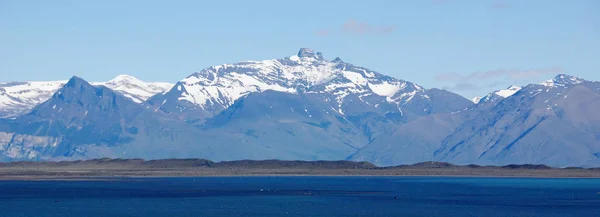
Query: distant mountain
[[135, 89], [554, 123], [536, 124], [18, 98], [346, 89]]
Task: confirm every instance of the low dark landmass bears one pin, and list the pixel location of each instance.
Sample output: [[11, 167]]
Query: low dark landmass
[[96, 168]]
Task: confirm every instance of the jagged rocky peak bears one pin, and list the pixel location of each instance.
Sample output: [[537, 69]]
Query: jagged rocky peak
[[309, 53], [568, 79]]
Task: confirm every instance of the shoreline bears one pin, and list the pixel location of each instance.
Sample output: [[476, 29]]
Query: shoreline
[[121, 178], [103, 169], [424, 173]]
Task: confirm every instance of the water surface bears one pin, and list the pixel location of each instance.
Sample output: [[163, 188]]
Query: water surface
[[303, 196]]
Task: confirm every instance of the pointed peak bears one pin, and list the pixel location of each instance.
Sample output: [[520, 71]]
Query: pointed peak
[[568, 79], [309, 53], [338, 60], [76, 81], [563, 80]]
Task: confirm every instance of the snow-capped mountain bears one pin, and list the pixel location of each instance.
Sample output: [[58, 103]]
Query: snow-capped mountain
[[135, 89], [337, 83], [499, 94], [18, 98], [554, 123], [85, 121]]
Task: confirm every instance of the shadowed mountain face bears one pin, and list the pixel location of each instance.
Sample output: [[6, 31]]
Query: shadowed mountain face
[[290, 124], [305, 107], [77, 118], [553, 123]]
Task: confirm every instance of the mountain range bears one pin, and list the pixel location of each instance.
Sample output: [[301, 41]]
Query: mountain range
[[302, 107], [17, 98]]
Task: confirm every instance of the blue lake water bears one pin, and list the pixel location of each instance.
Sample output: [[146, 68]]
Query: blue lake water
[[303, 196]]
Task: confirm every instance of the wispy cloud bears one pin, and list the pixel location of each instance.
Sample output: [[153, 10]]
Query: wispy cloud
[[323, 32], [354, 27], [512, 74], [496, 5], [441, 1], [473, 83], [501, 5], [462, 86], [360, 28]]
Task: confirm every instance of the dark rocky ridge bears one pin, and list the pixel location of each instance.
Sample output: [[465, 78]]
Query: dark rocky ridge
[[106, 167]]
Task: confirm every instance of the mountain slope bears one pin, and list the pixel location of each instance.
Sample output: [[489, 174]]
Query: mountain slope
[[423, 139], [410, 143], [18, 98], [291, 124], [553, 123]]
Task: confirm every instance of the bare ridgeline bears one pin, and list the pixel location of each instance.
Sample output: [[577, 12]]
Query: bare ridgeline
[[106, 167]]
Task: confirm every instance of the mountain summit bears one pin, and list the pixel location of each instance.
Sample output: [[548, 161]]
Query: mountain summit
[[562, 80], [345, 88], [309, 53]]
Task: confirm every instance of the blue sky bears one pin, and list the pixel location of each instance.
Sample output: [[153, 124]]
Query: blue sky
[[470, 47]]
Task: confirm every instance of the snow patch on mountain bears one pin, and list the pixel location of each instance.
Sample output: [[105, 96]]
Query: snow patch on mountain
[[385, 88], [508, 91], [135, 89], [20, 97], [497, 95]]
